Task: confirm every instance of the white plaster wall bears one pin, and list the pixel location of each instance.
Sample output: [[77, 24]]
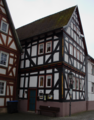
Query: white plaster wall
[[13, 46], [27, 62], [56, 57], [46, 58], [66, 58], [20, 93], [49, 71], [33, 81], [21, 81], [2, 71], [22, 64], [11, 61], [56, 94], [26, 82], [1, 101], [11, 90], [55, 43], [56, 77], [34, 50], [40, 60]]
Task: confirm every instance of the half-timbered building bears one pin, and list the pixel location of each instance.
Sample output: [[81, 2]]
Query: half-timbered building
[[10, 50], [53, 46]]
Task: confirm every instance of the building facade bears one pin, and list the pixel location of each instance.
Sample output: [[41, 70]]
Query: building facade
[[53, 47], [10, 50]]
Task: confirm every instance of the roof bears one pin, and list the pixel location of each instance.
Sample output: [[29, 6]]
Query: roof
[[12, 26], [46, 24]]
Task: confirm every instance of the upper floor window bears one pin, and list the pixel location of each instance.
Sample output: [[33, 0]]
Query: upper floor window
[[41, 81], [48, 81], [41, 48], [48, 47], [92, 69], [2, 87], [71, 49], [4, 26], [92, 87], [4, 59]]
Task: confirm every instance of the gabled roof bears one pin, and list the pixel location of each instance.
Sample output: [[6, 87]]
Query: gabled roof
[[12, 26], [49, 23]]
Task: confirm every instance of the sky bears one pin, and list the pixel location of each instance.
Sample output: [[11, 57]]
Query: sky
[[27, 11]]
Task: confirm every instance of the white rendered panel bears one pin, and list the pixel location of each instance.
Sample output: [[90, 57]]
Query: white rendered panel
[[66, 58], [21, 93], [55, 43], [73, 95], [22, 56], [56, 94], [1, 101], [1, 42], [9, 40], [21, 81], [4, 38], [49, 71], [14, 71], [25, 94], [46, 58], [33, 81], [40, 60], [56, 77], [13, 46], [11, 90], [34, 60], [22, 64], [48, 91], [7, 90], [56, 57], [27, 62], [41, 72], [33, 73], [2, 71], [34, 50], [26, 82], [3, 10], [11, 61]]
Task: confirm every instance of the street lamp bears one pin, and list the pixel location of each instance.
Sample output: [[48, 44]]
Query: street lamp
[[70, 76]]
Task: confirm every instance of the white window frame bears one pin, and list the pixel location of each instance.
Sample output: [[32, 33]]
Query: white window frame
[[47, 81], [51, 46], [39, 81], [4, 88], [2, 26], [39, 49], [6, 60]]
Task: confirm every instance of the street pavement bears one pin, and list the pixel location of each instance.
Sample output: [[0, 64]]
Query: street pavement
[[31, 116]]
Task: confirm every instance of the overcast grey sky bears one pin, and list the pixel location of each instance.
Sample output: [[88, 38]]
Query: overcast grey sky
[[26, 11]]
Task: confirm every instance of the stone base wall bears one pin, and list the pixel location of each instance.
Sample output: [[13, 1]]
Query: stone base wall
[[22, 106], [90, 105]]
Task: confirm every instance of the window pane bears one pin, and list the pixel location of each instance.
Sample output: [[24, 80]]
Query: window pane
[[48, 47], [3, 59], [4, 27], [41, 81], [41, 48]]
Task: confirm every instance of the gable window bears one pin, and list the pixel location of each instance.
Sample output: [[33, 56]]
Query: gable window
[[41, 81], [4, 59], [2, 87], [4, 26], [41, 48], [71, 50], [48, 80], [48, 47]]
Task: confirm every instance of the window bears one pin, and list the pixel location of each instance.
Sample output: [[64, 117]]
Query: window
[[48, 47], [75, 52], [92, 87], [4, 59], [73, 83], [48, 81], [41, 81], [2, 88], [80, 84], [77, 84], [4, 26], [92, 69], [41, 49], [71, 50]]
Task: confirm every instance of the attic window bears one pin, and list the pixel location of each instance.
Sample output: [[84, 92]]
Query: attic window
[[4, 27]]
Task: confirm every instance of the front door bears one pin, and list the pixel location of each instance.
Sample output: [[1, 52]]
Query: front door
[[32, 100]]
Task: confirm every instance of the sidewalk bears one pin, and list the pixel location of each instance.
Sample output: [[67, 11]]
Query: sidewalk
[[31, 116]]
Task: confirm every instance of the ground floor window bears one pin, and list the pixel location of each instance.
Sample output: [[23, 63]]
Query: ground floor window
[[2, 87]]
